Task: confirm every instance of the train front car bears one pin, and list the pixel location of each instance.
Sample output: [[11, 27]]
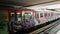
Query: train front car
[[21, 19]]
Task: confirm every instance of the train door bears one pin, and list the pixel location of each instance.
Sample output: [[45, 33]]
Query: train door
[[55, 15], [42, 17], [52, 16], [46, 14], [37, 19], [49, 17]]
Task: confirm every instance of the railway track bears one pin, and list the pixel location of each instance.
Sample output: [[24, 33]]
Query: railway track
[[45, 30]]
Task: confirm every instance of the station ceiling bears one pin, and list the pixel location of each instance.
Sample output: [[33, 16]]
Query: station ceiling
[[25, 2]]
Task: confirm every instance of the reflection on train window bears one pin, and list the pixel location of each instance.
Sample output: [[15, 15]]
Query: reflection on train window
[[41, 14]]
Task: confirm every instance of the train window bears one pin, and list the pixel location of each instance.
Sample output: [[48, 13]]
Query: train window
[[36, 15], [48, 14], [51, 14], [41, 14], [27, 12]]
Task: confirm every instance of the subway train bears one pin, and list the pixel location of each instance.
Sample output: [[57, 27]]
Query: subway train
[[24, 19]]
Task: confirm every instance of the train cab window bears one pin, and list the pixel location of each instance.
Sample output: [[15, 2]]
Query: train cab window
[[41, 14], [27, 14]]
